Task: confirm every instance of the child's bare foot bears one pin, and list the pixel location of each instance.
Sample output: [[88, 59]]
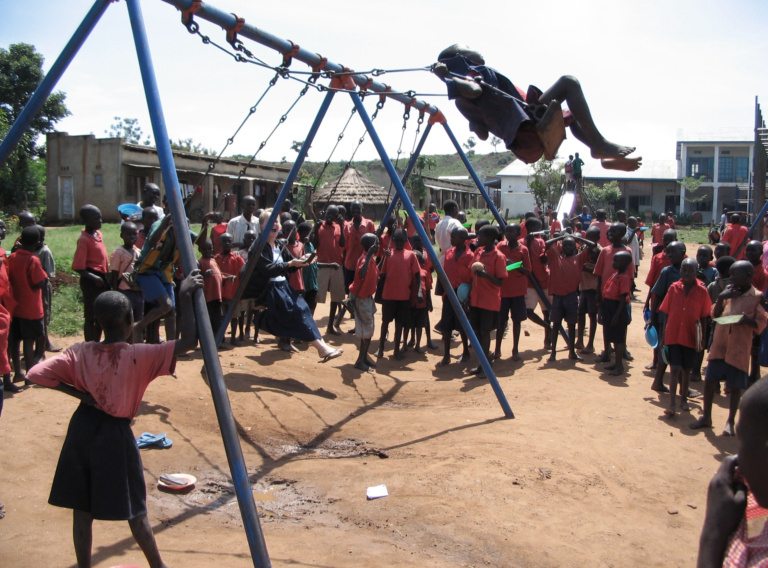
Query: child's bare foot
[[684, 406], [464, 357], [552, 357], [604, 357], [421, 350], [574, 357], [399, 355], [411, 343], [670, 411], [588, 350], [369, 362], [702, 422], [19, 377], [380, 352], [623, 164], [729, 429], [432, 345], [610, 367], [579, 345], [659, 387], [443, 362], [476, 370], [607, 149], [333, 331], [650, 367], [362, 366], [617, 371]]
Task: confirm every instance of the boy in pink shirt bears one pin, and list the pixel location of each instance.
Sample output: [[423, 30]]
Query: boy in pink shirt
[[614, 312], [100, 474]]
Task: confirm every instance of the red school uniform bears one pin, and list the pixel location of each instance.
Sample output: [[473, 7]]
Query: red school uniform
[[400, 268], [760, 278], [516, 283], [7, 304], [617, 285], [603, 226], [658, 262], [91, 254], [565, 271], [211, 284], [484, 294], [540, 270], [24, 272], [230, 265], [657, 233], [458, 270], [216, 233], [352, 236], [683, 311], [604, 265], [329, 250], [365, 287], [384, 243], [426, 288], [296, 278], [735, 235]]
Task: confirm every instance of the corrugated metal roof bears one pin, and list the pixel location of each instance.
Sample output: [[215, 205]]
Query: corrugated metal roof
[[724, 134]]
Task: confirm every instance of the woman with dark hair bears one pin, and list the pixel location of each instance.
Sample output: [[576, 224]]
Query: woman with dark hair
[[287, 315]]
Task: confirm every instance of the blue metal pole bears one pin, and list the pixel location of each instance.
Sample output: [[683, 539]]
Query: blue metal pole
[[258, 246], [484, 363], [499, 219], [406, 175], [43, 90], [210, 355]]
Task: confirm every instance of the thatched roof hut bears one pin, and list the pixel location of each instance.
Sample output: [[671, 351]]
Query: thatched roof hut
[[351, 186]]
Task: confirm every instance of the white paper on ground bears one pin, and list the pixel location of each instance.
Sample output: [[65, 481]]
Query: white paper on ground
[[377, 492]]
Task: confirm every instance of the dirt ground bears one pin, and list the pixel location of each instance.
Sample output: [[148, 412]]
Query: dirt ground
[[589, 473]]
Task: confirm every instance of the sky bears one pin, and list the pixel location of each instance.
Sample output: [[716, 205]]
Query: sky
[[647, 68]]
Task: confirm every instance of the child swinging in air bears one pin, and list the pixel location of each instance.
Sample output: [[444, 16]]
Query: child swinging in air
[[492, 104]]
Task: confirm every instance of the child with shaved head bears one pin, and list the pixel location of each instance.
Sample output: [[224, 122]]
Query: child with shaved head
[[100, 474], [687, 306], [738, 490], [730, 351]]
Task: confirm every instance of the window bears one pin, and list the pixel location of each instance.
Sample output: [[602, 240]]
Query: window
[[698, 167], [636, 202], [725, 169], [97, 180], [742, 170]]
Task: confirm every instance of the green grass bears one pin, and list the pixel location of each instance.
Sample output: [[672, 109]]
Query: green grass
[[67, 312]]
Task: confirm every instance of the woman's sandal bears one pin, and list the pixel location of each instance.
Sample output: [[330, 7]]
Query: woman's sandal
[[332, 355]]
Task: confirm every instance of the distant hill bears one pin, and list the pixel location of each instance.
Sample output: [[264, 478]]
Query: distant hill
[[486, 166]]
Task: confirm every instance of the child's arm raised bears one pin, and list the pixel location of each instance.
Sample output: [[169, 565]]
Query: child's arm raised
[[193, 281]]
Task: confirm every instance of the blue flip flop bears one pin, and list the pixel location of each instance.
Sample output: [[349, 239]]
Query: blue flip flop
[[148, 439]]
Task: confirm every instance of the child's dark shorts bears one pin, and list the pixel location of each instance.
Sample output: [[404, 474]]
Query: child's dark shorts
[[398, 311], [682, 357], [482, 320], [617, 333], [99, 469], [420, 317], [565, 307], [718, 370], [449, 319], [26, 328], [588, 303], [514, 307]]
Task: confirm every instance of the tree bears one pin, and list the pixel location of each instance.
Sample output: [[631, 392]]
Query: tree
[[691, 186], [495, 141], [129, 130], [603, 197], [21, 72], [469, 145], [416, 182], [546, 183], [189, 145]]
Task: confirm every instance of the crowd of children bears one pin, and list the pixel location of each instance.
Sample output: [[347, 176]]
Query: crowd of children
[[579, 271]]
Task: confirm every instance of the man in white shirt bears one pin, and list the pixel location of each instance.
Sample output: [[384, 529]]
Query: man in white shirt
[[446, 225], [238, 226], [151, 198]]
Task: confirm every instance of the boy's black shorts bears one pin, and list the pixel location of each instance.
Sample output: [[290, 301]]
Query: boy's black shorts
[[398, 311], [588, 302], [514, 307], [99, 469], [26, 328], [565, 307], [483, 321]]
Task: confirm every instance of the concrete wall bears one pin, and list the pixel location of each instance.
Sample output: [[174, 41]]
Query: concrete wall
[[516, 196]]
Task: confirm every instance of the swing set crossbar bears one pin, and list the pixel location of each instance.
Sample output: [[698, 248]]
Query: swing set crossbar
[[234, 25]]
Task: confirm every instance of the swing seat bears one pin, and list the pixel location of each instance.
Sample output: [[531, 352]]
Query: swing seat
[[551, 130]]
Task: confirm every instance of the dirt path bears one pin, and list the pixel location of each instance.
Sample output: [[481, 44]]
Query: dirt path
[[589, 473]]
